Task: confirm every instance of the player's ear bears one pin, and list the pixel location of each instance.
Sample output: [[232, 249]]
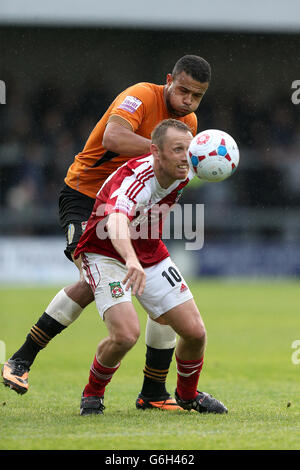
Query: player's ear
[[154, 150], [169, 79]]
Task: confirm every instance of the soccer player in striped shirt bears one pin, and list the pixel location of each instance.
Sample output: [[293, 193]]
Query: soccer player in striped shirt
[[119, 262]]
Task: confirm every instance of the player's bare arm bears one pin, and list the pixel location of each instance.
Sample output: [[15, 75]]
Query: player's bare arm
[[118, 231], [119, 138]]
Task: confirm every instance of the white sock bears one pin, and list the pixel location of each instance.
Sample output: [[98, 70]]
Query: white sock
[[63, 309], [160, 336]]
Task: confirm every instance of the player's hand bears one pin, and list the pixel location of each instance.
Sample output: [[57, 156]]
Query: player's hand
[[135, 277]]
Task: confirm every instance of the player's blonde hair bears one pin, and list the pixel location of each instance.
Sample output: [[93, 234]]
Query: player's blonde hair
[[159, 132]]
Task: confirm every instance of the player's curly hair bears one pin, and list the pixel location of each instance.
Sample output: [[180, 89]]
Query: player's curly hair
[[160, 130], [197, 67]]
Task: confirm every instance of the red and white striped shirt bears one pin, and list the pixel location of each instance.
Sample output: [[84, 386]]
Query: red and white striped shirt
[[133, 190]]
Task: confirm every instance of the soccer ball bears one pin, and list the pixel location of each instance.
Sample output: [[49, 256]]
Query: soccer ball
[[213, 155]]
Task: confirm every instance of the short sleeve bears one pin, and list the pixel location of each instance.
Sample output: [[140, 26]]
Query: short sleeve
[[126, 196], [125, 205], [132, 104]]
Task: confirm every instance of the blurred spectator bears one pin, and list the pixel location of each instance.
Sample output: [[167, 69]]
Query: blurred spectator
[[41, 134]]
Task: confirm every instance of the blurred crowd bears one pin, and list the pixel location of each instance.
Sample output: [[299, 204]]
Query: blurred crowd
[[41, 132]]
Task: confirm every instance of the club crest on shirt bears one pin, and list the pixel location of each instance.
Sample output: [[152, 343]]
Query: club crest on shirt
[[179, 194], [116, 289]]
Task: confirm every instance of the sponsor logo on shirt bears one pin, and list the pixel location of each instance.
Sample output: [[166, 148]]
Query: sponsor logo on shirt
[[123, 205], [130, 104]]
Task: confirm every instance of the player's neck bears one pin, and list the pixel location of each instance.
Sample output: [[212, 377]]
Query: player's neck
[[170, 111], [163, 179]]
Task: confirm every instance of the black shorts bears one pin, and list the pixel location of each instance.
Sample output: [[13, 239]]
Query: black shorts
[[75, 209]]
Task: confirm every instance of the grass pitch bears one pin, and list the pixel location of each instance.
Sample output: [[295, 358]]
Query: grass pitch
[[248, 365]]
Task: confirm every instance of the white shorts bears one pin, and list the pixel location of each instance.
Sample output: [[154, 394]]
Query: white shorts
[[165, 287]]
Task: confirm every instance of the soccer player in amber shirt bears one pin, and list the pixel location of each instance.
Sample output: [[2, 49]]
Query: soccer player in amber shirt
[[139, 109], [122, 133]]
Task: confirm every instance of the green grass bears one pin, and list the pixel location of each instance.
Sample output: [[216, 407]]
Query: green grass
[[251, 327]]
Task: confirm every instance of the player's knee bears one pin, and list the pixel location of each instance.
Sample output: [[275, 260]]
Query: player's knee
[[196, 335], [200, 335], [86, 292], [80, 293], [125, 340]]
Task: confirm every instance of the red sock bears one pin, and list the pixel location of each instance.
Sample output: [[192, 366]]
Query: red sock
[[99, 377], [187, 377]]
